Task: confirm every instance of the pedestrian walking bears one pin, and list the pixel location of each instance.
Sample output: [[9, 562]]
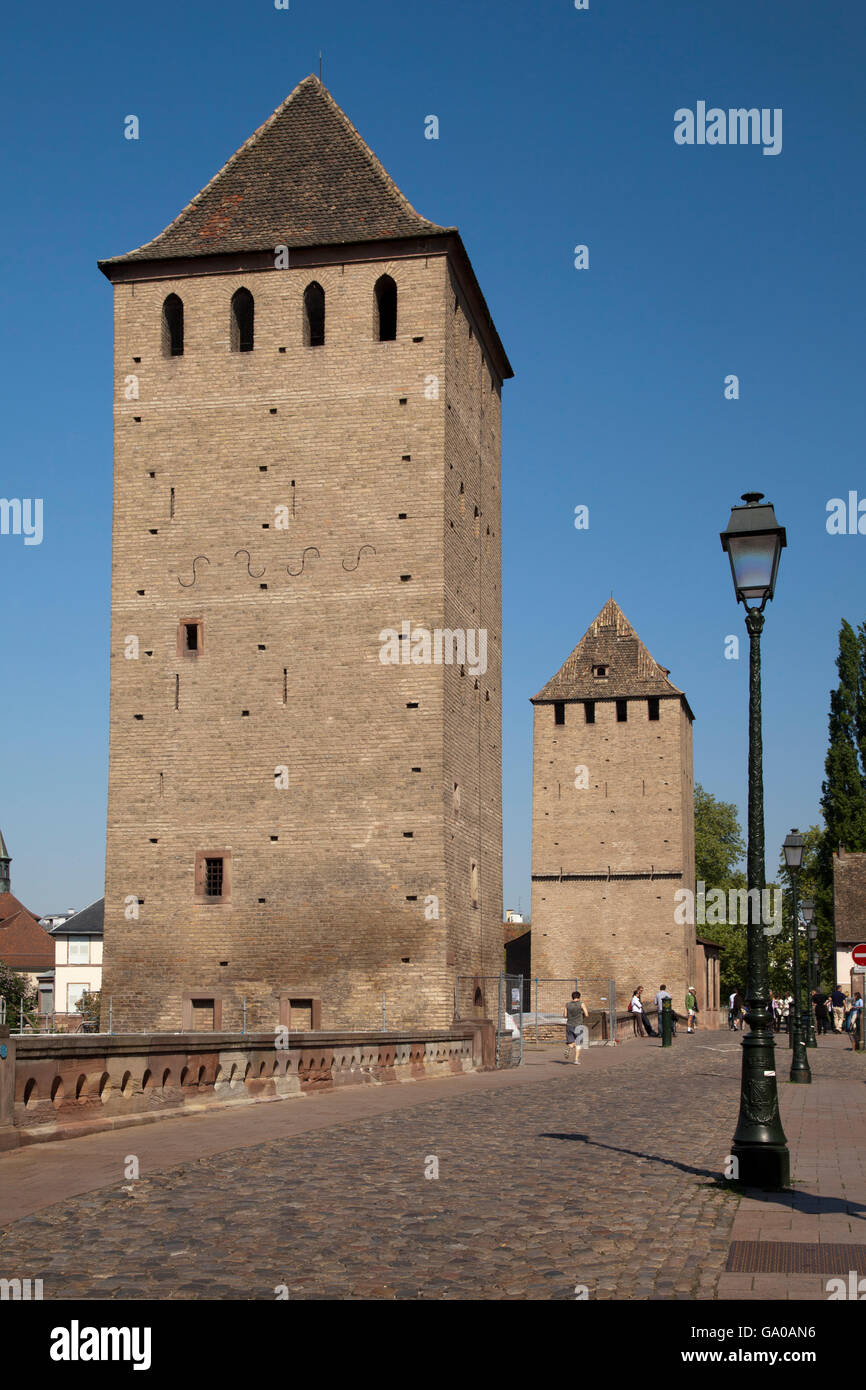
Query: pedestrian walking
[[574, 1014], [692, 1008], [737, 1010], [788, 1012], [661, 996], [837, 1000], [819, 1003], [855, 1019], [637, 1010]]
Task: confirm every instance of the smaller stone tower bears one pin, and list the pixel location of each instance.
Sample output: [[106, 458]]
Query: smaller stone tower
[[613, 818]]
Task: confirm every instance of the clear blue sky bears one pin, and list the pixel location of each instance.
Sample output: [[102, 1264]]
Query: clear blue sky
[[556, 128]]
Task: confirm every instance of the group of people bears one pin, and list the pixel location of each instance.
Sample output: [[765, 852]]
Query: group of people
[[638, 1010], [834, 1012]]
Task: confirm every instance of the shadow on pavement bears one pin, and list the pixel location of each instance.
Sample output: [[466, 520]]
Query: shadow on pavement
[[806, 1202]]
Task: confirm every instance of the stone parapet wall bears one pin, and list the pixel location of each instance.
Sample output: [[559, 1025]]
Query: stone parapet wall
[[59, 1086]]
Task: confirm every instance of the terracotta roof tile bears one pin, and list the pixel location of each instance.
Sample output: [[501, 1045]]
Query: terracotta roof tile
[[304, 178], [24, 945], [610, 642]]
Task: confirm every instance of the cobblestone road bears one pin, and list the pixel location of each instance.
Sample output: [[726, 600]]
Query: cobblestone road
[[610, 1179]]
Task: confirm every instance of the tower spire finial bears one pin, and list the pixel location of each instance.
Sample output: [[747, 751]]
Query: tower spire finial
[[5, 861]]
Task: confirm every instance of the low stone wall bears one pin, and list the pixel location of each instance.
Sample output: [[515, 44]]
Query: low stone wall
[[55, 1086], [598, 1024]]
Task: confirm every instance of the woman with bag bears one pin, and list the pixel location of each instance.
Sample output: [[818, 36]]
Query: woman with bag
[[637, 1010]]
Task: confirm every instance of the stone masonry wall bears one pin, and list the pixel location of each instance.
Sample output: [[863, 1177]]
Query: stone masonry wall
[[332, 875], [633, 817]]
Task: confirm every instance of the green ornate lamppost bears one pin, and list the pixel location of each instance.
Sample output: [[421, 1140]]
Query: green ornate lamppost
[[753, 543], [808, 911], [801, 1072]]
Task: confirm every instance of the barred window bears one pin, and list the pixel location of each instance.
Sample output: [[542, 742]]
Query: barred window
[[213, 878]]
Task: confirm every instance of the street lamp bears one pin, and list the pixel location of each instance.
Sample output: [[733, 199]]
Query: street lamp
[[753, 543], [808, 912], [800, 1070]]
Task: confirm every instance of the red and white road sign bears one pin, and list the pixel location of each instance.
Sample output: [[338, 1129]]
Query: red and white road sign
[[858, 955]]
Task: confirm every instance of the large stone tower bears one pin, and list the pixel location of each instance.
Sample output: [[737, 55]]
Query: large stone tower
[[613, 818], [305, 757]]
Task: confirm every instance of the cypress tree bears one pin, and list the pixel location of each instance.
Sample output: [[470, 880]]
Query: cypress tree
[[843, 799]]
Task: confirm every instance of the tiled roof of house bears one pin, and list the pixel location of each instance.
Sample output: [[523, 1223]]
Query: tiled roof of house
[[88, 922], [24, 945], [610, 642], [304, 178], [849, 897]]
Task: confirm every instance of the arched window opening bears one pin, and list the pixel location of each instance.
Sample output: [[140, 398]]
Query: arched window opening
[[386, 309], [243, 311], [314, 315], [172, 327]]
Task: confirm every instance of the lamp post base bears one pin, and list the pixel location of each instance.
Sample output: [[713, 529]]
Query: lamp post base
[[800, 1076], [763, 1165]]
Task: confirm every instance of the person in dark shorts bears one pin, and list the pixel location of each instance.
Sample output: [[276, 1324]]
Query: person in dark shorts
[[575, 1012]]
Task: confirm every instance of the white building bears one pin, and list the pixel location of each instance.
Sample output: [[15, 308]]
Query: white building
[[78, 956]]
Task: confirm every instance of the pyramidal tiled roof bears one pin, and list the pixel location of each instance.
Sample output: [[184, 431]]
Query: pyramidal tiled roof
[[304, 178], [612, 642]]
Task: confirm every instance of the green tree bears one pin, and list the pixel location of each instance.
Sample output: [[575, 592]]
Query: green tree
[[88, 1006], [719, 850], [843, 792], [719, 843], [843, 799], [15, 988]]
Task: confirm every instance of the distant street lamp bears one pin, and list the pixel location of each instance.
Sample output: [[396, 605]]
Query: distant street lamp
[[808, 911], [800, 1070], [753, 543]]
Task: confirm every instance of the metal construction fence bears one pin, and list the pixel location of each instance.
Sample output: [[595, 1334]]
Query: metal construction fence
[[534, 1008], [500, 998]]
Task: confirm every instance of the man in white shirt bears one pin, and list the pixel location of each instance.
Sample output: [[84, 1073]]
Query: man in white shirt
[[659, 1002]]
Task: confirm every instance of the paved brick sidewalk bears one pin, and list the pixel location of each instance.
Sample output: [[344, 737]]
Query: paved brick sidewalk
[[825, 1125], [605, 1175]]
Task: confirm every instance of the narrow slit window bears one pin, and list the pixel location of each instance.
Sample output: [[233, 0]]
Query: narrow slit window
[[314, 315], [172, 326], [589, 711], [386, 309], [242, 321], [622, 711], [559, 711], [653, 706], [190, 637]]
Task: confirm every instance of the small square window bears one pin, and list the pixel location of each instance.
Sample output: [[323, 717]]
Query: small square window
[[600, 672]]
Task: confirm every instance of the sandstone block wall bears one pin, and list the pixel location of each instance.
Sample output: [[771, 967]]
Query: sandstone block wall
[[296, 502]]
